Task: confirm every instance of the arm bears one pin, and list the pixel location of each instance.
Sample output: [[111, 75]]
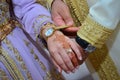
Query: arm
[[102, 19], [34, 17]]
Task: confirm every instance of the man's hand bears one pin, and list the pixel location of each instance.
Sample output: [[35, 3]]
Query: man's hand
[[61, 16]]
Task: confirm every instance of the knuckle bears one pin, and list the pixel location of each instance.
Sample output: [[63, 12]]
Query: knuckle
[[53, 52], [67, 61], [73, 55], [61, 63], [77, 50]]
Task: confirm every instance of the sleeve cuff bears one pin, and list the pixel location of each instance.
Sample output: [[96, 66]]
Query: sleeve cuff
[[49, 3], [93, 32], [38, 23]]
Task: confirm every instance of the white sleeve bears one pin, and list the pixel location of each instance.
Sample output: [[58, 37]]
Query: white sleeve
[[106, 13]]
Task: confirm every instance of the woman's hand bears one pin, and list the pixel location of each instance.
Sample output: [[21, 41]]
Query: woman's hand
[[64, 52]]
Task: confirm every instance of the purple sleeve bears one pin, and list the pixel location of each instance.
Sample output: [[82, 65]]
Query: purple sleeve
[[31, 15]]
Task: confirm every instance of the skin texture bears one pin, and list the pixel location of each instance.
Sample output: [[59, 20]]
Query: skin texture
[[61, 16], [62, 58]]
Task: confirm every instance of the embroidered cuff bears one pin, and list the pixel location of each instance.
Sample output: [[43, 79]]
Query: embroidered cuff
[[39, 22], [93, 32], [7, 28], [49, 3]]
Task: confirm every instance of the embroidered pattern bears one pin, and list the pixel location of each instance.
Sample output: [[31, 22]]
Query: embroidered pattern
[[100, 59], [91, 28], [4, 13], [10, 65], [38, 23], [3, 75], [18, 57], [103, 64], [79, 10], [50, 74]]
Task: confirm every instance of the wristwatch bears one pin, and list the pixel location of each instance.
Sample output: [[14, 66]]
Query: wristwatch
[[48, 32], [49, 29], [85, 45]]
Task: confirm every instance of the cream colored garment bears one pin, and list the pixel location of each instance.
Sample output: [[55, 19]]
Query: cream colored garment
[[107, 13]]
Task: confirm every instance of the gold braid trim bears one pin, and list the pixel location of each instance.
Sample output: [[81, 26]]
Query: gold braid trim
[[93, 32], [7, 28], [45, 3], [42, 2], [49, 3], [103, 64], [100, 58], [10, 65], [79, 10]]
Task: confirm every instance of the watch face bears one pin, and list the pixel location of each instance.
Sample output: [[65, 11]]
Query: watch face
[[49, 32], [85, 45], [90, 48]]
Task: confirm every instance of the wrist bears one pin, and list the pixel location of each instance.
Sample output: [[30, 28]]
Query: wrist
[[47, 30], [85, 45]]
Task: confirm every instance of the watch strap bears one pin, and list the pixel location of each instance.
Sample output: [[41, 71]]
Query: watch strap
[[48, 26], [81, 42]]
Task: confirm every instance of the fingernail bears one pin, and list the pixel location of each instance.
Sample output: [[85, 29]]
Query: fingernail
[[68, 72], [80, 58], [77, 67], [59, 70], [70, 23], [74, 70]]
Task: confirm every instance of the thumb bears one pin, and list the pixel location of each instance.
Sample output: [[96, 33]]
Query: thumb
[[71, 29], [67, 17], [58, 20]]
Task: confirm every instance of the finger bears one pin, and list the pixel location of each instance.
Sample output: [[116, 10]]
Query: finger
[[58, 20], [56, 65], [56, 9], [81, 49], [75, 48], [73, 59], [67, 59], [55, 55], [71, 29], [65, 14], [59, 61], [84, 55]]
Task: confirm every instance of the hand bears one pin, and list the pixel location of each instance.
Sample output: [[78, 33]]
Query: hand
[[83, 54], [64, 52], [61, 16]]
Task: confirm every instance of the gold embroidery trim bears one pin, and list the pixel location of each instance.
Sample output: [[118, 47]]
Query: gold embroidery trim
[[42, 2], [79, 9], [49, 74], [46, 3], [10, 65], [49, 3], [93, 32], [103, 64], [50, 25], [18, 57], [2, 0], [96, 57], [7, 28], [3, 74]]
